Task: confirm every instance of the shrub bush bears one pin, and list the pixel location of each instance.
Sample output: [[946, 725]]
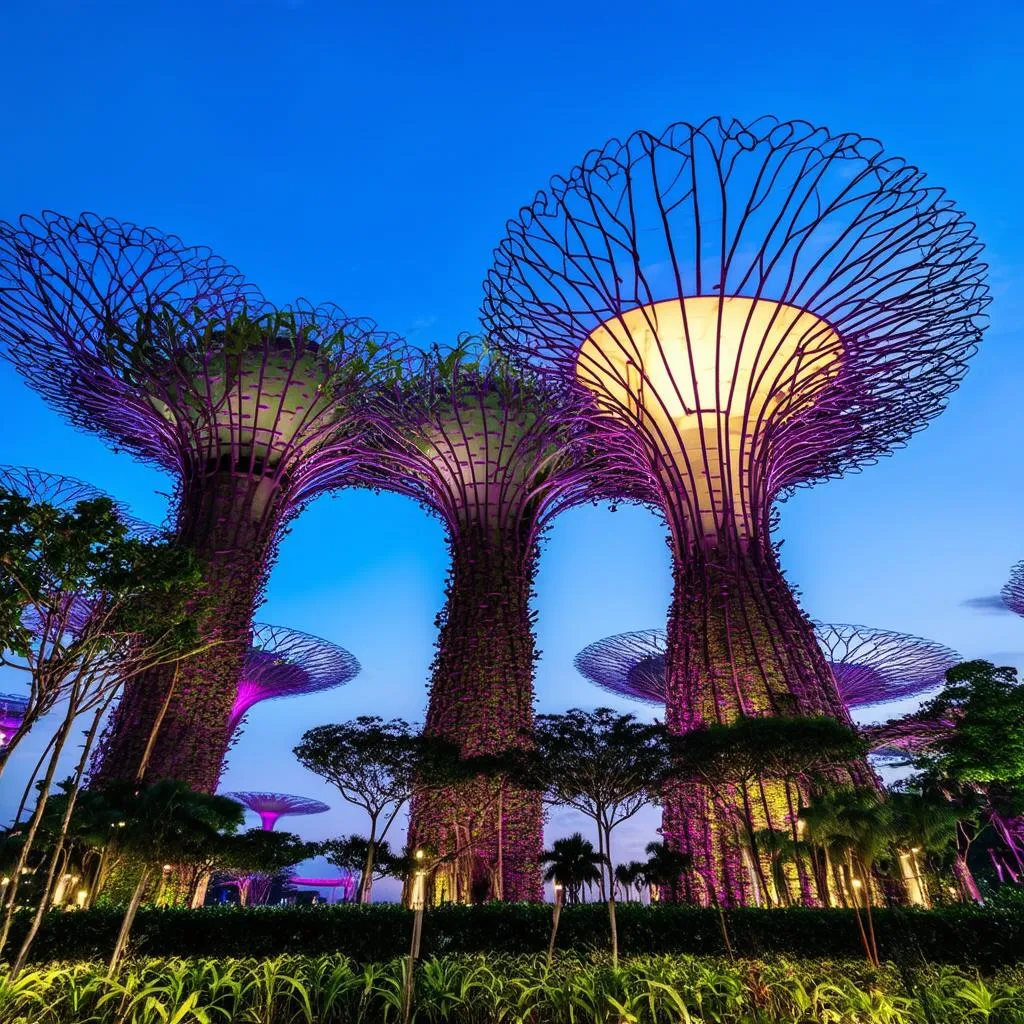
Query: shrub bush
[[986, 937]]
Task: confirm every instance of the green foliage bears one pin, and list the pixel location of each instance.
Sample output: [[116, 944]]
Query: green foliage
[[986, 704], [257, 851], [961, 934], [332, 989], [764, 748]]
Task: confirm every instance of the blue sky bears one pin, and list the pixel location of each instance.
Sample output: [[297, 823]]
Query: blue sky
[[369, 154]]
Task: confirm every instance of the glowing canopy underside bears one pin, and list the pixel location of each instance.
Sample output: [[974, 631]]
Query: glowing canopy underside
[[706, 380], [871, 666], [286, 663]]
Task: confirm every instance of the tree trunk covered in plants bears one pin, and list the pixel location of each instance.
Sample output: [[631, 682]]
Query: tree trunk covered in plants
[[481, 698], [172, 722], [739, 645]]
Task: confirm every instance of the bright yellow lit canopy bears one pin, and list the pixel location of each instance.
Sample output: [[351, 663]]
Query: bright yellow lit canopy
[[703, 378]]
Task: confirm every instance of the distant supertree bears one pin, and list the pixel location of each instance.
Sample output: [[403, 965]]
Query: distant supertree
[[271, 806], [496, 454], [166, 351], [764, 306], [12, 714], [1013, 592], [901, 739], [286, 663], [346, 883], [876, 666], [870, 666]]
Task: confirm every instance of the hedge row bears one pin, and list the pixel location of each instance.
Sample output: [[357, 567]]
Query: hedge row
[[983, 937]]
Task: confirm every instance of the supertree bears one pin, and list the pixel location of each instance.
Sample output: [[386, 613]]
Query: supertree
[[12, 714], [286, 663], [164, 350], [764, 306], [870, 666], [496, 454], [346, 883], [1013, 592], [272, 806]]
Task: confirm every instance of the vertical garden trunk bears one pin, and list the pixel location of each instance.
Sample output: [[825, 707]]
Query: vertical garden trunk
[[481, 698], [738, 644], [173, 720]]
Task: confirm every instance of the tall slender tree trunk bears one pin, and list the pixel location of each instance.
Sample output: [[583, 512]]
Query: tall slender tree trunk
[[128, 920]]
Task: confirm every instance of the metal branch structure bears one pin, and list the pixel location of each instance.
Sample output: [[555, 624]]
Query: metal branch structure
[[877, 666], [166, 351], [764, 305], [496, 454], [272, 806], [287, 663], [1013, 592], [902, 738], [12, 713], [870, 666], [346, 883]]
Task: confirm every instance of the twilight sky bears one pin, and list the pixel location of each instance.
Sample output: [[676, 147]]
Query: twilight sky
[[369, 154]]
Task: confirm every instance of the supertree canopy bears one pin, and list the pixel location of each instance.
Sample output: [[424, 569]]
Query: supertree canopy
[[166, 351], [286, 663], [1013, 592], [271, 806], [764, 306], [496, 454], [12, 714], [870, 666]]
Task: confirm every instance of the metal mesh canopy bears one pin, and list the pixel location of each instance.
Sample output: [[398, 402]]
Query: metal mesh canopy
[[64, 492], [166, 350], [271, 806], [765, 304], [12, 713], [900, 738], [875, 666], [286, 663], [871, 666], [1013, 592]]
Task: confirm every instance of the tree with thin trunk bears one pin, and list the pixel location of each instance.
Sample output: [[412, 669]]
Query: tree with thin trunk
[[254, 857], [605, 765], [167, 823], [628, 877], [84, 608], [374, 764], [350, 853]]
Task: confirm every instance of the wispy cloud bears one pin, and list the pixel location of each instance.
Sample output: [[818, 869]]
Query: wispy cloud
[[991, 603]]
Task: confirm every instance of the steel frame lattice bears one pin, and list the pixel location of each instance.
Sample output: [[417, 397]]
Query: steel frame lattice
[[496, 453], [1013, 592], [764, 305], [12, 713], [166, 351], [284, 662]]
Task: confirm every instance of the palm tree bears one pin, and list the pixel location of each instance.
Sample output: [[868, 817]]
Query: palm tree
[[628, 876], [854, 828], [574, 864], [924, 829], [664, 867], [780, 848]]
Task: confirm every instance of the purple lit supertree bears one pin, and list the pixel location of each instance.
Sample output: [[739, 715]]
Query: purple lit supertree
[[870, 666], [272, 806], [166, 351], [1013, 592], [12, 714], [764, 306], [286, 663], [496, 454]]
